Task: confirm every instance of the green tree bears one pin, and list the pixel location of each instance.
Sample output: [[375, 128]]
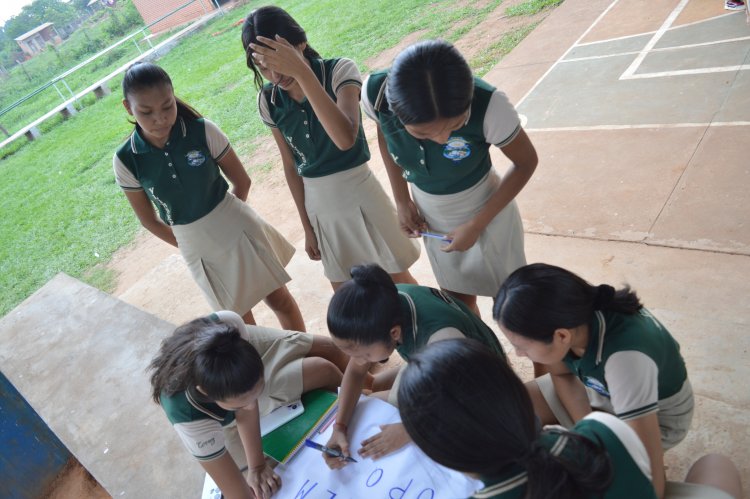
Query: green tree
[[39, 12]]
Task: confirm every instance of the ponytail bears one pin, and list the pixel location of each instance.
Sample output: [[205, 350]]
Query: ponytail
[[270, 21], [207, 353], [186, 111], [490, 429], [581, 470], [366, 308], [537, 299]]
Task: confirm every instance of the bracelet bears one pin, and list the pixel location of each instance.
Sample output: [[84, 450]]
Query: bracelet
[[343, 428]]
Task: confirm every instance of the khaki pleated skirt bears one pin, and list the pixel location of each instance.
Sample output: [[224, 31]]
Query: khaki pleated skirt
[[356, 223], [499, 250], [235, 257]]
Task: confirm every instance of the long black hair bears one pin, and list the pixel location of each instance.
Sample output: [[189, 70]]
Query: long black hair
[[467, 410], [270, 21], [537, 299], [365, 308], [428, 81], [209, 354], [142, 75]]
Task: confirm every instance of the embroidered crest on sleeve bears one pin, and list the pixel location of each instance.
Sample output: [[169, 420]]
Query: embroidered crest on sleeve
[[596, 385]]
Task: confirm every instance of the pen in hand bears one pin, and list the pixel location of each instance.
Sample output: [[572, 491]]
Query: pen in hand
[[329, 451]]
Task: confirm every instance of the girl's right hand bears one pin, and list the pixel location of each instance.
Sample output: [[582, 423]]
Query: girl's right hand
[[410, 220], [338, 441], [311, 245], [263, 481]]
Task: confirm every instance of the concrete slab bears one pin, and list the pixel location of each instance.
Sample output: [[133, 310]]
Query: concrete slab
[[78, 356], [708, 30], [608, 47], [709, 208], [631, 17], [718, 55], [736, 107], [604, 184], [589, 93]]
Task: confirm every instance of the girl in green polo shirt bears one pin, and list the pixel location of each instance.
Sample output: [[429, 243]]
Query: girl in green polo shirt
[[604, 350], [215, 377], [311, 105], [436, 124], [180, 162], [369, 317], [467, 410]]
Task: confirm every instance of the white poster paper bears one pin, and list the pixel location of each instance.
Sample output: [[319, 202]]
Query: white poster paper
[[405, 474]]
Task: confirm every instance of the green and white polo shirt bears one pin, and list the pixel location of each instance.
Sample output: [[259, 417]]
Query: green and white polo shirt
[[429, 312], [315, 154], [630, 462], [199, 421], [632, 360], [465, 159], [182, 179]]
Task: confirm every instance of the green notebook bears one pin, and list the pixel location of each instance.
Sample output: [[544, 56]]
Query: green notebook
[[284, 442]]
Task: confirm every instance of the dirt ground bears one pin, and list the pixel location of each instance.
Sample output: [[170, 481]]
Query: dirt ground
[[269, 196]]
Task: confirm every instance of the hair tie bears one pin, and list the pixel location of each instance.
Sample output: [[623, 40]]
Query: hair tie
[[604, 296]]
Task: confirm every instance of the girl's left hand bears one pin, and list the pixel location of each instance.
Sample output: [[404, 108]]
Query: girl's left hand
[[391, 438], [463, 237], [279, 56], [264, 481]]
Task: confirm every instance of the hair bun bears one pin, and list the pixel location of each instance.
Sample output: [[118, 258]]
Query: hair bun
[[604, 296], [371, 275]]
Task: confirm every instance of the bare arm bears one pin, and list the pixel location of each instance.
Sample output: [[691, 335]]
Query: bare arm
[[144, 210], [297, 188], [570, 390], [339, 119], [409, 219], [351, 387], [232, 167], [228, 477], [523, 155], [647, 428], [262, 479]]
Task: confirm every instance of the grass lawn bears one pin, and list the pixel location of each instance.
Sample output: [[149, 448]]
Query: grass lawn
[[62, 211]]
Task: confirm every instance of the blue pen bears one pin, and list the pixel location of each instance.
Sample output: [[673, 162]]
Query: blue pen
[[442, 237], [326, 450]]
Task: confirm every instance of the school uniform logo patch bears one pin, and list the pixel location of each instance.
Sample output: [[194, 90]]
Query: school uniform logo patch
[[596, 385], [195, 158], [457, 149]]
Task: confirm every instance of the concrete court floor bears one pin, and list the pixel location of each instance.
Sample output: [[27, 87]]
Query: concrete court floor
[[642, 179]]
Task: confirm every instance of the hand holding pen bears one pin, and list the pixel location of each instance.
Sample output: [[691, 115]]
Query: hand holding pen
[[328, 451], [434, 235]]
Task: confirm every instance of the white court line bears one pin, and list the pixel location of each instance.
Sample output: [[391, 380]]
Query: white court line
[[693, 23], [637, 127], [662, 49], [549, 70], [683, 72], [654, 39]]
